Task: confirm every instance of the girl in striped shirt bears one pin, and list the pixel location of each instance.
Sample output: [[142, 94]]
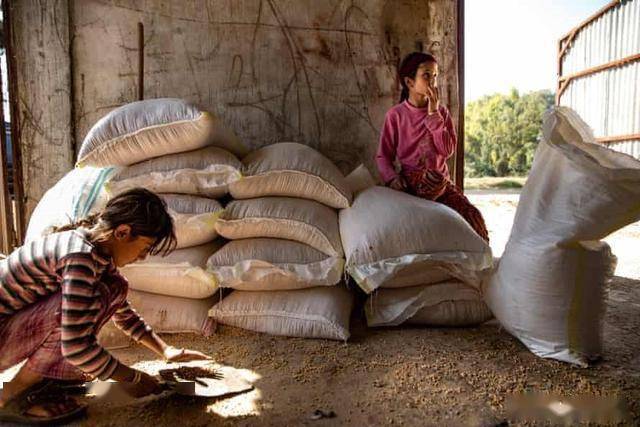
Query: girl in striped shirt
[[57, 292], [418, 133]]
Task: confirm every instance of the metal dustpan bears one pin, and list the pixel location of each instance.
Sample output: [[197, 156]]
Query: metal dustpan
[[226, 383]]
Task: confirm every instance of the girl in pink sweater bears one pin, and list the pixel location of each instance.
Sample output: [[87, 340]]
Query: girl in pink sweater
[[419, 134]]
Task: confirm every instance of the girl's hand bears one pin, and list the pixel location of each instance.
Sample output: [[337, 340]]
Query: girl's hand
[[398, 183], [145, 385], [173, 354], [433, 98]]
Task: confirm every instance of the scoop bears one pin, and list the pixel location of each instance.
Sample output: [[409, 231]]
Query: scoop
[[226, 383]]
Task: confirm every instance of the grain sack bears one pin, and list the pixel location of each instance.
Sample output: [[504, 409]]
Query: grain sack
[[300, 220], [181, 274], [273, 264], [549, 286], [145, 129], [359, 180], [167, 314], [204, 172], [322, 312], [441, 304], [295, 170], [79, 193], [194, 218], [393, 239]]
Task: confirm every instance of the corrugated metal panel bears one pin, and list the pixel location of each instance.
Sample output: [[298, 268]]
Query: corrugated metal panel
[[631, 148], [609, 101], [614, 35]]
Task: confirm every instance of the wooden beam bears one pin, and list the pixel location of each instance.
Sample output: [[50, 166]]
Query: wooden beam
[[16, 151], [564, 81], [459, 169], [7, 238], [613, 64], [40, 43], [618, 138]]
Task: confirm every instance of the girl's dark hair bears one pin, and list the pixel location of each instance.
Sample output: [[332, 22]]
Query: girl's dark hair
[[409, 68], [142, 210]]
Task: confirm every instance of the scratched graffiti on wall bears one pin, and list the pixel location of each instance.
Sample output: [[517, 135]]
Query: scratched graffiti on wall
[[319, 73]]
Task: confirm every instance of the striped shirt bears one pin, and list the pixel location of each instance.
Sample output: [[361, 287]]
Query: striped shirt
[[69, 263]]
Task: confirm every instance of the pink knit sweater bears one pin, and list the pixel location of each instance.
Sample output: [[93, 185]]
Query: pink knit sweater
[[417, 139]]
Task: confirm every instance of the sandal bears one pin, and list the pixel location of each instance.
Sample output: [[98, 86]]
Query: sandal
[[17, 410], [67, 387]]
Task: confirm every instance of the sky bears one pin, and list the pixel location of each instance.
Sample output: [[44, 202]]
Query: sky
[[514, 43]]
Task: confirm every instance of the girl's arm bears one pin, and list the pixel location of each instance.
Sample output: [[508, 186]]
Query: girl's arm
[[387, 149], [442, 131], [129, 322], [80, 309]]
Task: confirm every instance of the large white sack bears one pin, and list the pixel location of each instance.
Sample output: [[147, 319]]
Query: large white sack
[[304, 221], [359, 179], [79, 193], [322, 312], [273, 264], [448, 303], [194, 218], [393, 239], [294, 170], [145, 129], [549, 286], [205, 172], [181, 274], [169, 314]]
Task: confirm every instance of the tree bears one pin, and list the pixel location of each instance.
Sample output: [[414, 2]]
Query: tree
[[502, 132]]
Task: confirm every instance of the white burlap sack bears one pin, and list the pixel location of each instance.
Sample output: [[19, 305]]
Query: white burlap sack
[[169, 314], [204, 172], [301, 220], [448, 303], [393, 239], [294, 170], [194, 218], [549, 287], [273, 264], [145, 129], [322, 312], [78, 194], [360, 179], [181, 274]]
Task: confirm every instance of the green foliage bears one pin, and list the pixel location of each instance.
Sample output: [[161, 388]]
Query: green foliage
[[502, 132]]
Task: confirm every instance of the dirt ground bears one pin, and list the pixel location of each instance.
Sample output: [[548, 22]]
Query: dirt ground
[[402, 376]]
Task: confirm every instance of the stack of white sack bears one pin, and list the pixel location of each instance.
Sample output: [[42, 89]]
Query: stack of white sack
[[420, 260], [550, 284], [285, 260], [173, 148], [186, 156]]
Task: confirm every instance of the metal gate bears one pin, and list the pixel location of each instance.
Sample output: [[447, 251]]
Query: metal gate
[[599, 74]]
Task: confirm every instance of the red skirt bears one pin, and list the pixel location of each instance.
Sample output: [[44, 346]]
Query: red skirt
[[432, 185], [34, 333]]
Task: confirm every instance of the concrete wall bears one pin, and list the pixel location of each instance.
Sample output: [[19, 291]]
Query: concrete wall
[[319, 73]]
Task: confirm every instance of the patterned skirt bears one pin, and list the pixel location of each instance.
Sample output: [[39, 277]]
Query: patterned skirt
[[432, 185]]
